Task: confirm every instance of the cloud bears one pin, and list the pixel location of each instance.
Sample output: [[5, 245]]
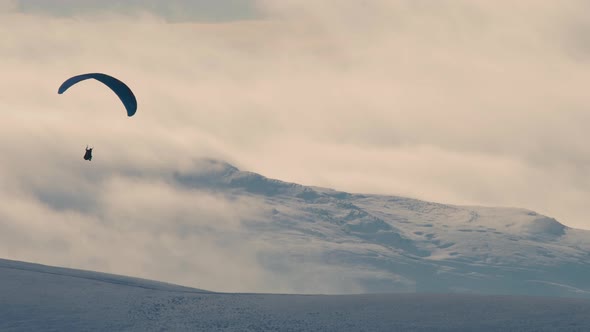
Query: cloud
[[451, 101], [172, 10], [480, 86], [153, 229]]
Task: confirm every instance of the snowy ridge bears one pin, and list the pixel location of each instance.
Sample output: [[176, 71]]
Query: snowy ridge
[[6, 265], [393, 244]]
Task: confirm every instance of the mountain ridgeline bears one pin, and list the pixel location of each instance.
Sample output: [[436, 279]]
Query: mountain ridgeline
[[396, 244]]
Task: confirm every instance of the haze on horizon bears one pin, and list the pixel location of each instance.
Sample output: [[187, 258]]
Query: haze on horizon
[[460, 102]]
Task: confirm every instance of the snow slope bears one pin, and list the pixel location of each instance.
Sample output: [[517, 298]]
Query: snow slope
[[397, 244], [41, 298]]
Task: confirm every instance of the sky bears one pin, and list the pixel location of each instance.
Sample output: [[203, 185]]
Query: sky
[[459, 102], [171, 10]]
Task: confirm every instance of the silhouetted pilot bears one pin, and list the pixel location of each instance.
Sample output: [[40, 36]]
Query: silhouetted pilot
[[88, 154]]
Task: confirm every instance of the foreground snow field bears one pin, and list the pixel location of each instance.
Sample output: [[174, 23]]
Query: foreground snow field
[[41, 298]]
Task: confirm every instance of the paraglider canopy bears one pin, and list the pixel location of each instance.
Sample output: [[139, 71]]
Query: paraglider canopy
[[119, 88]]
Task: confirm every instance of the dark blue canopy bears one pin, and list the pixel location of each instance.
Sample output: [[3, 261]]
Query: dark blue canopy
[[118, 87]]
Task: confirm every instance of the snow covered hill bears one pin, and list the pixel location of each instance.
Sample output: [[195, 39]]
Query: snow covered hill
[[484, 263], [397, 244], [42, 298]]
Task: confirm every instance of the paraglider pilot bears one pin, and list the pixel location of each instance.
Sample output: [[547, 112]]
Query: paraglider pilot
[[88, 154]]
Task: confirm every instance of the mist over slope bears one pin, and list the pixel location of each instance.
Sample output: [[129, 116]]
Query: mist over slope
[[397, 244], [42, 298], [207, 224]]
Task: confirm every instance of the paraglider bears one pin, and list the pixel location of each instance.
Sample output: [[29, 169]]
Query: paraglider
[[88, 154], [119, 88]]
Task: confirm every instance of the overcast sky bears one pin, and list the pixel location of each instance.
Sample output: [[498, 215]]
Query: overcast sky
[[461, 102], [172, 10]]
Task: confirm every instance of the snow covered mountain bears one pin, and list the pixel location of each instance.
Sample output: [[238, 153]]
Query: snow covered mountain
[[42, 298], [488, 259], [397, 244]]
